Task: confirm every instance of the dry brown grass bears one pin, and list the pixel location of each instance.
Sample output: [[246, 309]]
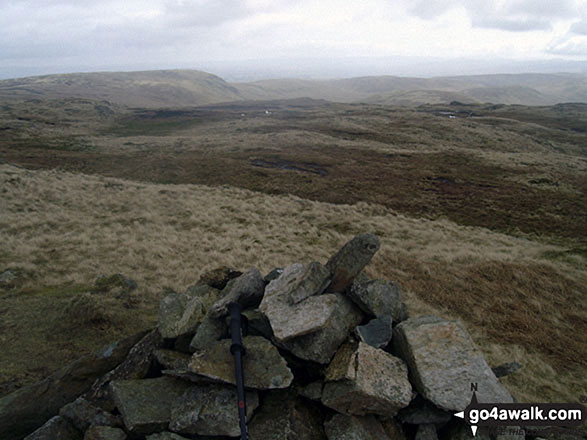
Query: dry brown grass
[[64, 229]]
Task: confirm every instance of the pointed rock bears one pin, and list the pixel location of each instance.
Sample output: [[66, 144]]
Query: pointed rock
[[246, 290], [321, 345], [263, 366], [210, 410], [444, 361], [210, 331], [350, 260], [363, 380], [343, 427]]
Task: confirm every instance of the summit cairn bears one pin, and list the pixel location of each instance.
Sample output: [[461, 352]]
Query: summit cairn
[[330, 354]]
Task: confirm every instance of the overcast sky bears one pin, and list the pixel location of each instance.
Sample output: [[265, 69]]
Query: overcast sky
[[45, 36]]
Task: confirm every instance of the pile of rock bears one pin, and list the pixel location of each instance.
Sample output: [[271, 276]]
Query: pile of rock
[[330, 354]]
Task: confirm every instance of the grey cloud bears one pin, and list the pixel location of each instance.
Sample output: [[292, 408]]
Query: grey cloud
[[579, 28], [208, 13], [512, 24], [574, 46]]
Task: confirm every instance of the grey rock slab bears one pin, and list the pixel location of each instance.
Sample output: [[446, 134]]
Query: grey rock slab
[[426, 432], [293, 303], [146, 404], [378, 298], [350, 260], [24, 410], [136, 365], [377, 332], [171, 359], [344, 427], [363, 380], [55, 428], [284, 416], [246, 290], [210, 331], [210, 410], [422, 412], [82, 414], [444, 361], [321, 345], [312, 391], [263, 366], [179, 314], [104, 433]]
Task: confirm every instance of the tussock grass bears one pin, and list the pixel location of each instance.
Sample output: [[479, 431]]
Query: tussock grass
[[65, 229]]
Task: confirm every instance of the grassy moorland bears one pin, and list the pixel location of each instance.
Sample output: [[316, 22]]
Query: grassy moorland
[[482, 212]]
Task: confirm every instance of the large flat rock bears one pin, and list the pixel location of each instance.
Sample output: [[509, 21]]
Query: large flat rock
[[146, 404], [364, 380], [444, 362], [263, 366], [321, 345], [293, 303]]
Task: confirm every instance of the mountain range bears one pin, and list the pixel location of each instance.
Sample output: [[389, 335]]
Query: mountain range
[[178, 88]]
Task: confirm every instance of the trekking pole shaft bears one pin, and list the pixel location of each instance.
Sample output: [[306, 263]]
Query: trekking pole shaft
[[238, 351]]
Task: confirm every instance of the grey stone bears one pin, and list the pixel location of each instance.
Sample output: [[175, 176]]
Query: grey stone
[[350, 260], [55, 428], [104, 433], [82, 414], [426, 432], [246, 290], [210, 410], [343, 427], [24, 410], [393, 428], [293, 303], [378, 298], [165, 436], [312, 391], [284, 416], [172, 360], [136, 365], [257, 324], [179, 314], [506, 369], [217, 278], [273, 275], [210, 331], [444, 361], [421, 412], [263, 366], [146, 404], [377, 332], [321, 345], [363, 380]]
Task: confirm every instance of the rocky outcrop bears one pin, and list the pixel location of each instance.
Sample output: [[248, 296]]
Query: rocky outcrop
[[318, 364]]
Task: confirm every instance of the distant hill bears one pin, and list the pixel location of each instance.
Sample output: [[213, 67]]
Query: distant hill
[[178, 88]]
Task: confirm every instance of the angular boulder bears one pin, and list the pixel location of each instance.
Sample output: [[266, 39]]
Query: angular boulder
[[283, 416], [246, 290], [350, 260], [321, 345], [210, 410], [263, 366], [181, 313], [377, 332], [293, 303], [444, 361], [210, 331], [82, 414], [343, 427], [217, 278], [146, 404], [378, 298], [56, 428], [104, 433], [363, 380]]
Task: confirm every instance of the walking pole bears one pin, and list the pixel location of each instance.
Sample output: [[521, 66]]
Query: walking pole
[[238, 351]]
